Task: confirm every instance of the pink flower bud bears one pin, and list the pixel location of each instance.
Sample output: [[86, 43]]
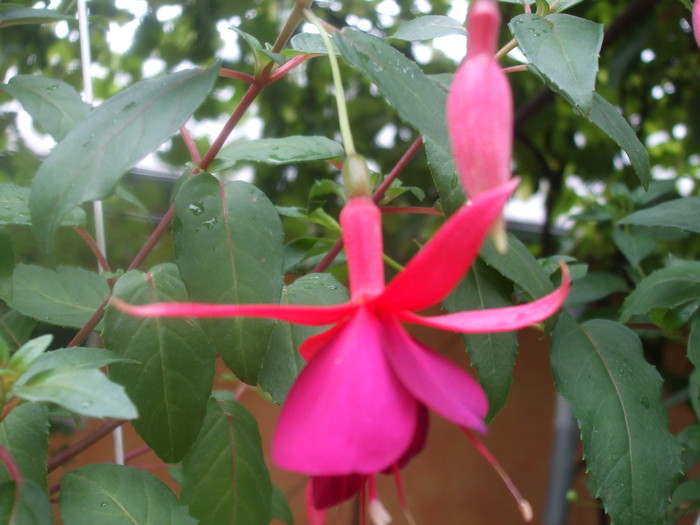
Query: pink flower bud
[[696, 20], [480, 107]]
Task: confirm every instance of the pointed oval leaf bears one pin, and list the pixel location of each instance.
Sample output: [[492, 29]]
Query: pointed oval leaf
[[604, 115], [277, 152], [416, 98], [14, 208], [228, 245], [429, 27], [493, 355], [664, 288], [678, 213], [444, 173], [90, 160], [171, 384], [116, 495], [635, 246], [24, 433], [564, 51], [32, 508], [633, 459], [84, 391], [66, 296], [73, 357], [225, 477], [282, 361], [53, 104]]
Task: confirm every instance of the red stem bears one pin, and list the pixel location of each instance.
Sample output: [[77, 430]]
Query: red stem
[[15, 475], [136, 452], [237, 75], [93, 247], [85, 443], [191, 146], [289, 65]]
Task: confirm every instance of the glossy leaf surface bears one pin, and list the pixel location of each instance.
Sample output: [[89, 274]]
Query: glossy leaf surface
[[429, 27], [24, 433], [680, 213], [228, 242], [635, 463], [14, 208]]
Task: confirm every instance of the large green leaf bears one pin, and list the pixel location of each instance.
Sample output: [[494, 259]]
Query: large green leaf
[[635, 246], [429, 27], [11, 15], [66, 296], [117, 495], [225, 477], [664, 288], [595, 286], [14, 208], [87, 164], [286, 150], [442, 168], [55, 105], [633, 459], [24, 433], [16, 328], [228, 242], [87, 392], [31, 508], [493, 355], [563, 50], [171, 385], [74, 357], [282, 362], [416, 98], [679, 213], [604, 115]]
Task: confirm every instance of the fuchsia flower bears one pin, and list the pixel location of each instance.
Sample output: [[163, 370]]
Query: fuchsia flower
[[696, 20], [480, 107], [359, 407]]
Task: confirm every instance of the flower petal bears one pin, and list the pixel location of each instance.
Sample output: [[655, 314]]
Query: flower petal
[[442, 262], [436, 382], [362, 234], [347, 413], [306, 315], [327, 491], [312, 345], [497, 319]]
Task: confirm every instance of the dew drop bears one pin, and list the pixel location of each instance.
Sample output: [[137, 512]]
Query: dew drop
[[197, 208], [104, 504]]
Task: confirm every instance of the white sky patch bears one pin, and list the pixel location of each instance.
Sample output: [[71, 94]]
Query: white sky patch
[[422, 52], [231, 49], [657, 138], [685, 186], [647, 55], [119, 37], [422, 6], [152, 67], [453, 46], [168, 12], [386, 138], [679, 131]]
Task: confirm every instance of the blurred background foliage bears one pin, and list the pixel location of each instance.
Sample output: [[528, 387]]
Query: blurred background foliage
[[649, 67]]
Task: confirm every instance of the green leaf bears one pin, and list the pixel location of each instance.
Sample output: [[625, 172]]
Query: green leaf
[[633, 459], [665, 288], [282, 362], [280, 507], [518, 265], [53, 104], [678, 213], [416, 98], [225, 477], [84, 391], [117, 495], [33, 507], [444, 174], [228, 245], [310, 43], [87, 164], [66, 296], [493, 355], [7, 265], [595, 286], [28, 353], [24, 433], [635, 246], [287, 150], [563, 50], [171, 385], [14, 208], [608, 119], [428, 27], [74, 357], [16, 329], [13, 15]]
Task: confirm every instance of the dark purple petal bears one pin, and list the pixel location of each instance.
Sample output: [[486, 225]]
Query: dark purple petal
[[327, 491]]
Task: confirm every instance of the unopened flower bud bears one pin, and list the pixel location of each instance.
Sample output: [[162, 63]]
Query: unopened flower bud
[[480, 107]]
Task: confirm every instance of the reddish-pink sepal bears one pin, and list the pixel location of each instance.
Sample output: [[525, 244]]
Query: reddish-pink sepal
[[305, 315], [434, 381], [327, 491], [442, 262], [497, 319], [347, 412]]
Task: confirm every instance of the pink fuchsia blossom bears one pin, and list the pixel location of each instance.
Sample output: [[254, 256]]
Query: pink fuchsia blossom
[[359, 407], [696, 21], [480, 107]]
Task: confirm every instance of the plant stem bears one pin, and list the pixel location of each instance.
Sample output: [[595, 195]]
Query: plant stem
[[85, 443]]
